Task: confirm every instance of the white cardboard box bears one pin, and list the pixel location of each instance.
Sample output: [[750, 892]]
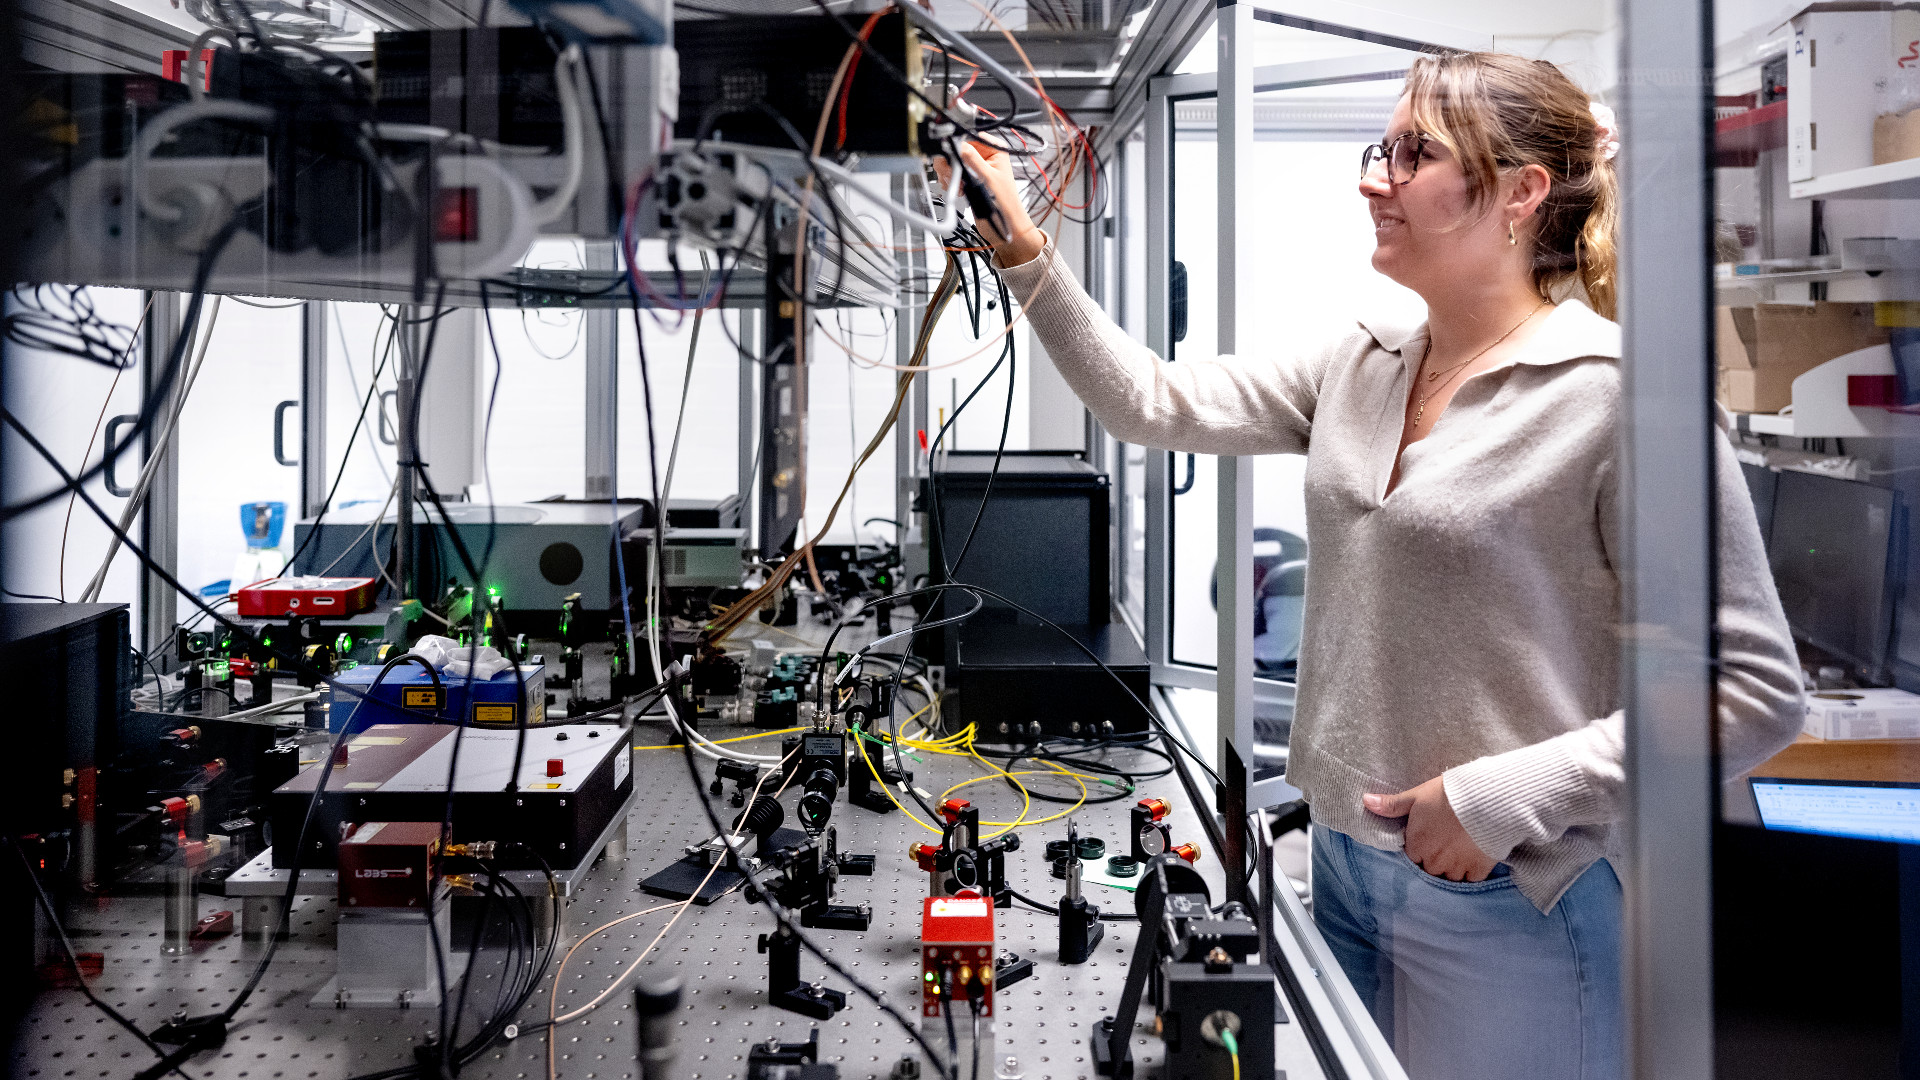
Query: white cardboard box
[[1863, 714], [1836, 66]]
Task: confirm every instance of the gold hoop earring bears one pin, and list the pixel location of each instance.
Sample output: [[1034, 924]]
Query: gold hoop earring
[[1511, 239]]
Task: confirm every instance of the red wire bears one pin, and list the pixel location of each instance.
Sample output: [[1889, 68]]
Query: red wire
[[846, 85]]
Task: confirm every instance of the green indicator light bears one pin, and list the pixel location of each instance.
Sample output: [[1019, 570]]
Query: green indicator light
[[929, 976]]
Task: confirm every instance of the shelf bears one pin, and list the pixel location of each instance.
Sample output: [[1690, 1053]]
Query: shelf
[[1872, 285], [1738, 139], [1821, 409], [1894, 180], [1764, 424]]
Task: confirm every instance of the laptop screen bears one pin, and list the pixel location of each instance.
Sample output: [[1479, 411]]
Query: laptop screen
[[1865, 809]]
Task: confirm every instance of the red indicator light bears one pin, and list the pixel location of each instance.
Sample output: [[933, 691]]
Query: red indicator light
[[456, 215]]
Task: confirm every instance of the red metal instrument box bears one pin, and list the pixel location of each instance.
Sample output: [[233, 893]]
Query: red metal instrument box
[[333, 597]]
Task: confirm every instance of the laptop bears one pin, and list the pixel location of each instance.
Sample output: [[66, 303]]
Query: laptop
[[1866, 809]]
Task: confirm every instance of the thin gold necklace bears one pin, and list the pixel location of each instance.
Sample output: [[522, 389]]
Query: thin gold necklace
[[1421, 410]]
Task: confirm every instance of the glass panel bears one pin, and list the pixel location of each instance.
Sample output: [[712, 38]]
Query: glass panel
[[53, 551], [1131, 461], [1276, 44], [226, 444], [1308, 145], [1818, 359]]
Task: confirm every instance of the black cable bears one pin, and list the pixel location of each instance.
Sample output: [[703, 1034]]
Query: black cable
[[481, 614], [373, 388], [192, 1045], [73, 958], [180, 702], [78, 331], [160, 393], [798, 288], [32, 596], [1049, 909], [1007, 353], [473, 947], [323, 771], [946, 1010], [1145, 709], [894, 73], [766, 898], [974, 994]]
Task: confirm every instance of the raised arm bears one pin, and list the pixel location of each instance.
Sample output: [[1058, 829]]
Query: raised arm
[[1227, 405]]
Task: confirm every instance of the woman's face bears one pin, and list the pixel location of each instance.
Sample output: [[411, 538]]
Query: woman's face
[[1422, 236]]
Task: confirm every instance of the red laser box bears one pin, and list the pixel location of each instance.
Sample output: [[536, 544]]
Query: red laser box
[[331, 597], [956, 945]]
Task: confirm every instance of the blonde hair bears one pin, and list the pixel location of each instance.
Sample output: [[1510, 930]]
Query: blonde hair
[[1495, 112]]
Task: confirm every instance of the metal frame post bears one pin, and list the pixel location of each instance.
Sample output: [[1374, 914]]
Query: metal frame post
[[1233, 24], [1666, 66], [602, 418], [1159, 202], [313, 407], [160, 517], [911, 263], [748, 331], [413, 333]]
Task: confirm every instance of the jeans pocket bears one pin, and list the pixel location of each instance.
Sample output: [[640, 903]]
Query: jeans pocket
[[1501, 877]]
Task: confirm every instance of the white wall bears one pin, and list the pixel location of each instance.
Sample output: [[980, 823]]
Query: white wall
[[60, 399]]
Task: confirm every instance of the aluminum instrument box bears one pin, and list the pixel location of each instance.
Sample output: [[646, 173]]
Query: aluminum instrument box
[[573, 779]]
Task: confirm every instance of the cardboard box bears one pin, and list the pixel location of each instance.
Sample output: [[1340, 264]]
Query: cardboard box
[[1756, 390], [1804, 336], [1734, 336], [1863, 714], [1896, 136], [1764, 348], [1840, 57]]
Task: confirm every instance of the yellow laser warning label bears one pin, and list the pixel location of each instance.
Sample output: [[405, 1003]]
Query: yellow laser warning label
[[493, 714], [420, 697]]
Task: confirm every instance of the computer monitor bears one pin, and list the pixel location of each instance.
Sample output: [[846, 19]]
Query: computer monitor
[[1865, 809], [1761, 484], [1830, 546]]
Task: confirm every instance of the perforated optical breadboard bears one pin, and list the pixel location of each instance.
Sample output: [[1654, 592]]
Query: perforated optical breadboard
[[1044, 1026]]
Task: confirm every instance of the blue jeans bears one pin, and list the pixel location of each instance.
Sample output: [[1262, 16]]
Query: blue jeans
[[1470, 980]]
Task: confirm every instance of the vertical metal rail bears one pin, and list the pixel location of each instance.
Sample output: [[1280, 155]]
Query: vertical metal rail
[[749, 425], [909, 261], [1667, 520], [1234, 555], [1159, 483], [160, 518], [602, 418], [313, 407], [415, 327]]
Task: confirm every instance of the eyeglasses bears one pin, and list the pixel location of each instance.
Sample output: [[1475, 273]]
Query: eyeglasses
[[1402, 156]]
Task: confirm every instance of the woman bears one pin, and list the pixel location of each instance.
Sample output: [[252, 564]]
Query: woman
[[1457, 730]]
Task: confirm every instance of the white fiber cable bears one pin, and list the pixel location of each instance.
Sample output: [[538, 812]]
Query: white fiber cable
[[567, 72], [158, 449], [165, 124]]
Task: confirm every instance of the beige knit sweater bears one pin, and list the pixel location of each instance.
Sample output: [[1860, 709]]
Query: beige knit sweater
[[1467, 625]]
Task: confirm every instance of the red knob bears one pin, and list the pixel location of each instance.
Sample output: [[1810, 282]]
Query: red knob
[[953, 808], [1188, 852], [923, 856], [556, 766], [1155, 808]]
